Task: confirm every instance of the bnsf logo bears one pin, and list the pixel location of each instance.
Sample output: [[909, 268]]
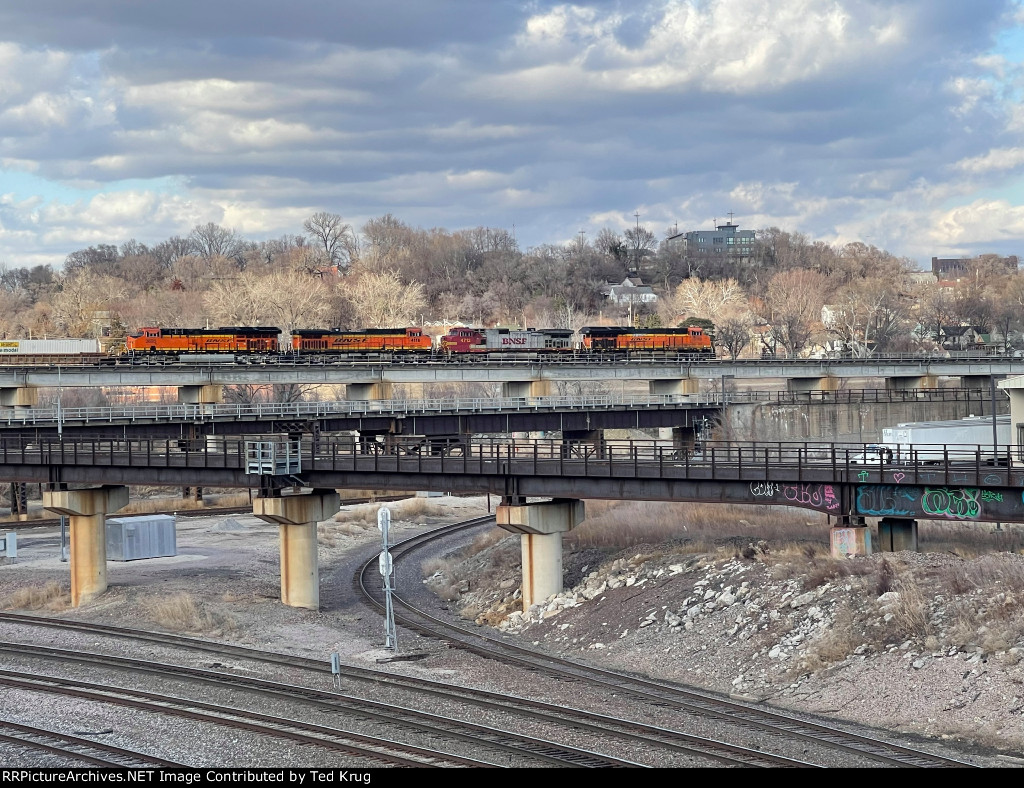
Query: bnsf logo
[[513, 340]]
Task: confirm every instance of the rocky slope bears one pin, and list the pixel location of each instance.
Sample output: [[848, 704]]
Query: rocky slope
[[922, 643]]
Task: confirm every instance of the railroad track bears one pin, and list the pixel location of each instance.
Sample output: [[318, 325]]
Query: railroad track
[[374, 748], [505, 743], [604, 727], [657, 692], [75, 747]]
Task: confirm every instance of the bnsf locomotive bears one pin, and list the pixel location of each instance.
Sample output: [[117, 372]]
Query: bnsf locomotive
[[689, 341], [377, 340], [507, 340], [263, 342], [227, 339]]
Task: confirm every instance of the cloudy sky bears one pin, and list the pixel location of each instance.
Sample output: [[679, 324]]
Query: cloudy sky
[[898, 123]]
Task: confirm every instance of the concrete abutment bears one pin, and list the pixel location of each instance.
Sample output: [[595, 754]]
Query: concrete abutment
[[87, 510], [541, 526], [297, 517]]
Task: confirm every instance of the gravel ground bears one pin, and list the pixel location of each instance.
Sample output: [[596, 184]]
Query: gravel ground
[[630, 611]]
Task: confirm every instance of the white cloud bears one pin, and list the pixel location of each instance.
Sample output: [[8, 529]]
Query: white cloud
[[995, 160], [739, 46]]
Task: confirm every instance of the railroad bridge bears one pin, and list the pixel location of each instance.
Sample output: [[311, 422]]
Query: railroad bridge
[[297, 478]]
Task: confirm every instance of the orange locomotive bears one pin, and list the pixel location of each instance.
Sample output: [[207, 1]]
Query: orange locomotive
[[368, 340], [691, 340], [226, 339]]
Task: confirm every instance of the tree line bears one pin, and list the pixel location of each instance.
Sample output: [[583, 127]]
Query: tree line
[[789, 293]]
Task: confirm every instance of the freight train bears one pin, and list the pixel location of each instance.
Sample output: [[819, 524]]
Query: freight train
[[263, 343]]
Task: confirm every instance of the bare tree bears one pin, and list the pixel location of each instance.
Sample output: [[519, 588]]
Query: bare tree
[[331, 235], [732, 330], [83, 295], [243, 300], [792, 303], [701, 298], [212, 240], [384, 300], [295, 300]]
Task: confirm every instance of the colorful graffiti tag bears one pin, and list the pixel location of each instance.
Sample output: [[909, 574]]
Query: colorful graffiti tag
[[956, 504], [885, 500]]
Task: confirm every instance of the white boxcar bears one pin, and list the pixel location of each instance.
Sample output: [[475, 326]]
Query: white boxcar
[[132, 538], [43, 347]]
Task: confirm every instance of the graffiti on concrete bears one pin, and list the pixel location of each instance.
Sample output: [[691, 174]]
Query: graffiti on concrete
[[885, 500], [831, 501], [952, 503], [863, 476], [988, 495], [899, 476], [992, 479], [764, 489]]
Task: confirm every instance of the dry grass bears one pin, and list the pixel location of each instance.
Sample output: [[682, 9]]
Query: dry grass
[[45, 597], [172, 504], [183, 613], [836, 644], [619, 524]]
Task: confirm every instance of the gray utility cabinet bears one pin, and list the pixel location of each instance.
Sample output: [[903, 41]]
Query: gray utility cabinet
[[132, 538]]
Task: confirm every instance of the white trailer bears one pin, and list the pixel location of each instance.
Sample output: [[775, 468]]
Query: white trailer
[[956, 439]]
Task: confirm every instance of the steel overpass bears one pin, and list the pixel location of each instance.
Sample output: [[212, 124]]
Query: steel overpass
[[825, 477]]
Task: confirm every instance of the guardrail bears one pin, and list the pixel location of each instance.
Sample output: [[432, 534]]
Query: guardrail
[[316, 410], [592, 458]]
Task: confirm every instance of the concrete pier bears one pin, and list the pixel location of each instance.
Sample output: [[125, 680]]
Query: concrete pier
[[896, 534], [850, 537], [298, 516], [523, 389], [87, 510], [365, 392], [676, 386], [827, 383], [541, 526]]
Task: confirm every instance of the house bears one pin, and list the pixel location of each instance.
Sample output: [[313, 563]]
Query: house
[[631, 291], [964, 338]]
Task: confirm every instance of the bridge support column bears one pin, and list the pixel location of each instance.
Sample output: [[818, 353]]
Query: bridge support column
[[525, 389], [21, 397], [912, 382], [976, 383], [87, 510], [827, 383], [365, 392], [201, 395], [541, 526], [850, 536], [298, 516], [673, 387], [897, 533]]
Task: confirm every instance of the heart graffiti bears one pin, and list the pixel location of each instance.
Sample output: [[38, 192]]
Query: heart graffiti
[[899, 476]]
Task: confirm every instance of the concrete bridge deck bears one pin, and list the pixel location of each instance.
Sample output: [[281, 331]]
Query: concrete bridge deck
[[309, 372]]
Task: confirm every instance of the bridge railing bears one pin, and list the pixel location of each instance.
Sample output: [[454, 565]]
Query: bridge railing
[[174, 413], [745, 461]]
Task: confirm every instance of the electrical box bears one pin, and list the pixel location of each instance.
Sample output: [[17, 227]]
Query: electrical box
[[149, 536]]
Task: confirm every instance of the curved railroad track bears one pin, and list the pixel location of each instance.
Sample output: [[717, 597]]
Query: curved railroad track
[[658, 692]]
